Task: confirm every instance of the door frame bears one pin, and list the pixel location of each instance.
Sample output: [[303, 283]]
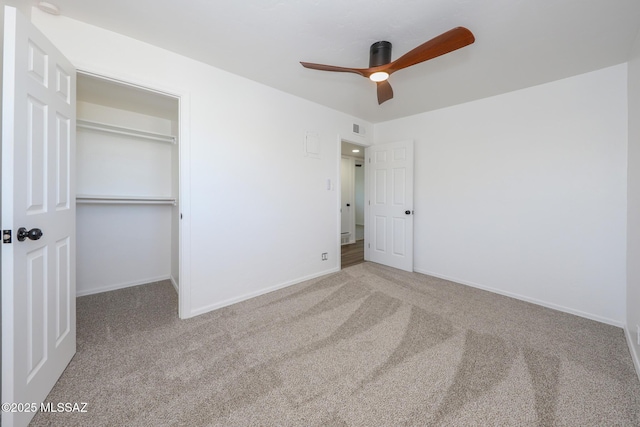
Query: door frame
[[184, 184], [339, 199]]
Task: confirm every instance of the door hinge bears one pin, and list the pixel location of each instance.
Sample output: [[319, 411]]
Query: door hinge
[[6, 236]]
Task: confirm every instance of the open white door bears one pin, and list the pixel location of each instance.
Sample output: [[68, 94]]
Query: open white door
[[390, 203], [38, 193]]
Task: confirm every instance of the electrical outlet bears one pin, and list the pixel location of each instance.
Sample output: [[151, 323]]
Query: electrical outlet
[[325, 256]]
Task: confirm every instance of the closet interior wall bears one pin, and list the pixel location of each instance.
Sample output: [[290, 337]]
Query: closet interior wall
[[127, 186]]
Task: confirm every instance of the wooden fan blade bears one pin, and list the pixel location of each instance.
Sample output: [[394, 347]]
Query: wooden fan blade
[[454, 39], [322, 67], [385, 92]]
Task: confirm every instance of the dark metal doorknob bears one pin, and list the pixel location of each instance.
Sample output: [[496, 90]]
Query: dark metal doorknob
[[33, 234]]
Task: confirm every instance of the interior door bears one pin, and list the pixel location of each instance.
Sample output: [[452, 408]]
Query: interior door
[[390, 203], [38, 215]]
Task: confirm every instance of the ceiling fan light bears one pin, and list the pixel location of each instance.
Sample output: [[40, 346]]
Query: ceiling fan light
[[380, 76]]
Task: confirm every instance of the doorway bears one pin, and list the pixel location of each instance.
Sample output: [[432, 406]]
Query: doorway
[[352, 206], [127, 181]]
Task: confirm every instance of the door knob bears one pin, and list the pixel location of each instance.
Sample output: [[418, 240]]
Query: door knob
[[407, 212], [33, 234]]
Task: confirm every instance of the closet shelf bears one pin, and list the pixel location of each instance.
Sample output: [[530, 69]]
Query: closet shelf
[[122, 130], [125, 200]]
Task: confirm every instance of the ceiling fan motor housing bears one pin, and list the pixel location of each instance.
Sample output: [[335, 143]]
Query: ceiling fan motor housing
[[379, 54]]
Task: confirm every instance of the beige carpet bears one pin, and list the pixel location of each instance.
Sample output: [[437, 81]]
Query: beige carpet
[[368, 346]]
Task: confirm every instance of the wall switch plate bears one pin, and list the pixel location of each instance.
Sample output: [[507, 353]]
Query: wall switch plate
[[325, 256]]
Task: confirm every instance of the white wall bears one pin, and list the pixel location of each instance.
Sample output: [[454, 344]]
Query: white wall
[[633, 201], [121, 245], [260, 213], [112, 164], [525, 193]]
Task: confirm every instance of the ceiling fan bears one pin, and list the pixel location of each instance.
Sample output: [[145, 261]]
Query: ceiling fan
[[381, 67]]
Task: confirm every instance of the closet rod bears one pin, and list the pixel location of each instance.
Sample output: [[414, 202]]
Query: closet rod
[[122, 130], [125, 200]]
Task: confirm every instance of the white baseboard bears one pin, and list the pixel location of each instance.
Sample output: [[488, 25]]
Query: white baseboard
[[632, 349], [81, 293], [175, 284], [250, 295], [547, 304]]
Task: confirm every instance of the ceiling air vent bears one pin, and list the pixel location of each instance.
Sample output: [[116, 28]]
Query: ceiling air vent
[[357, 129]]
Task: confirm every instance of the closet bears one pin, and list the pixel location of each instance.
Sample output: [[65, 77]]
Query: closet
[[127, 182]]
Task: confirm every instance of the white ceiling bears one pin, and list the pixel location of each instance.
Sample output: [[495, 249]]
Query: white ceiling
[[519, 43]]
